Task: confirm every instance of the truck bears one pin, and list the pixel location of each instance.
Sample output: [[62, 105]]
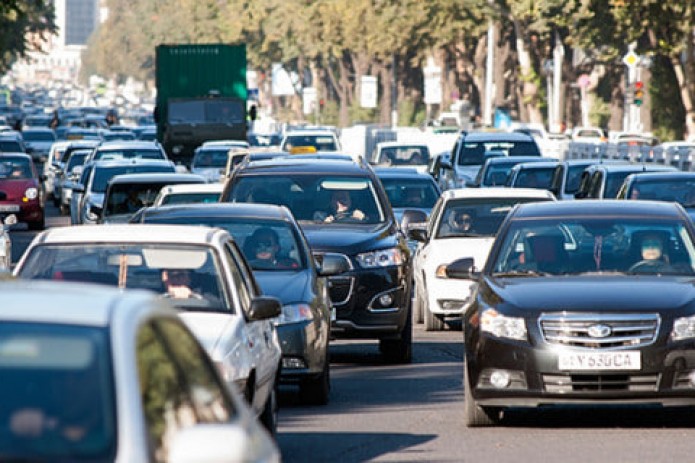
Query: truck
[[201, 96]]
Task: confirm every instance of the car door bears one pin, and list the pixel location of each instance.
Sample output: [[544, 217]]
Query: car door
[[423, 249], [263, 341]]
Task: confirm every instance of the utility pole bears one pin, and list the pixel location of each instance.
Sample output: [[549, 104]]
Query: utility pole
[[489, 70], [558, 56]]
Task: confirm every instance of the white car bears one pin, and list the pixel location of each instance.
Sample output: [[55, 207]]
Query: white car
[[189, 193], [319, 140], [91, 373], [463, 223], [6, 242], [401, 154], [222, 304]]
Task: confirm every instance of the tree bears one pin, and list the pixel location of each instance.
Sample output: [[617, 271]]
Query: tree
[[24, 26]]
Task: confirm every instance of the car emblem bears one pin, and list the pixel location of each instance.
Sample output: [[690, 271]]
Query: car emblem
[[599, 331]]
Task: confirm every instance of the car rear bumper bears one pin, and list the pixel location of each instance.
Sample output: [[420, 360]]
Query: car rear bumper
[[304, 350]]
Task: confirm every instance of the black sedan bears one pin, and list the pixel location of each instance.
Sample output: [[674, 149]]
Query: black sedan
[[277, 251], [582, 302]]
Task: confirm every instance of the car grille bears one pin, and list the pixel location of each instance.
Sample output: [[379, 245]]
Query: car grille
[[562, 384], [600, 331], [339, 287]]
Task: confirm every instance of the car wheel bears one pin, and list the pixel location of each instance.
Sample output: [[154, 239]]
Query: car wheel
[[38, 225], [400, 350], [473, 414], [316, 390], [269, 416], [432, 322]]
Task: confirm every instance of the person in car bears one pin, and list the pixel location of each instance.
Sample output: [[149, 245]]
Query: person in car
[[341, 209], [262, 250], [132, 203], [653, 258], [177, 284], [460, 222]]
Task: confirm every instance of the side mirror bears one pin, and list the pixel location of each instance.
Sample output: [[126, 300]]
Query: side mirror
[[219, 442], [417, 231], [332, 264], [77, 170], [446, 164], [264, 307], [471, 184], [462, 269], [78, 188], [412, 216]]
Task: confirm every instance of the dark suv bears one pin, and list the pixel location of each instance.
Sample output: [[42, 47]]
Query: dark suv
[[372, 299]]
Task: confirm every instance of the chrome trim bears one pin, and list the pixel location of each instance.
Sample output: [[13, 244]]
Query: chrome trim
[[628, 331], [349, 292], [385, 309]]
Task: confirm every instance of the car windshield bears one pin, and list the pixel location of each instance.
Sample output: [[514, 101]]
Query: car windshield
[[10, 146], [403, 156], [590, 245], [76, 159], [473, 153], [141, 266], [41, 365], [128, 154], [266, 244], [127, 198], [476, 216], [574, 178], [185, 198], [614, 181], [534, 178], [104, 174], [320, 142], [314, 198], [418, 193], [15, 168], [38, 136], [211, 158]]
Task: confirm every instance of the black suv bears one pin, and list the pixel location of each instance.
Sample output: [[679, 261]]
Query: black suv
[[372, 299]]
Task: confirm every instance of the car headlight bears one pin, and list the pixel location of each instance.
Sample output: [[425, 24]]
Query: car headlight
[[293, 313], [382, 258], [493, 322], [683, 328], [31, 193]]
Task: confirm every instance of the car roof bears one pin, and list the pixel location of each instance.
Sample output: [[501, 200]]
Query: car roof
[[299, 165], [536, 165], [389, 144], [130, 162], [514, 159], [400, 172], [634, 168], [130, 233], [68, 303], [497, 192], [158, 177], [8, 154], [310, 132], [599, 208], [128, 144], [246, 210], [496, 136], [665, 175]]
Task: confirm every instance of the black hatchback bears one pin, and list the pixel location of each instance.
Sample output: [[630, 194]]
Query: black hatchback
[[343, 211]]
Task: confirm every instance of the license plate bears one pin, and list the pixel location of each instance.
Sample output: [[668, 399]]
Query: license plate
[[625, 360], [9, 208]]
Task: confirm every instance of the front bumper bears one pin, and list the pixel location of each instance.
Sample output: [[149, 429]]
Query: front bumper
[[448, 297], [30, 211], [664, 376], [304, 350], [371, 303]]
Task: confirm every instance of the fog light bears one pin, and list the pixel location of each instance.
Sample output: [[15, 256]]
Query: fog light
[[386, 300], [451, 305], [691, 378], [500, 379]]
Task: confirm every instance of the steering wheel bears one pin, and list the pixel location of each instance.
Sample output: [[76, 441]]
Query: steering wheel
[[648, 266]]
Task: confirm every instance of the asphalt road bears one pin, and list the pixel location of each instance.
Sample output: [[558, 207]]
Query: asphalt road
[[414, 413]]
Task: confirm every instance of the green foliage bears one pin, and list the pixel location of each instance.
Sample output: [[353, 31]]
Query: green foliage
[[667, 107], [24, 24], [411, 113]]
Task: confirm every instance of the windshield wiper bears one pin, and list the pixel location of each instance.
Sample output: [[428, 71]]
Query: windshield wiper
[[465, 235], [520, 273]]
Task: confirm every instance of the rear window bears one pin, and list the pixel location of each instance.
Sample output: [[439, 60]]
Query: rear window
[[473, 153], [104, 174], [129, 154]]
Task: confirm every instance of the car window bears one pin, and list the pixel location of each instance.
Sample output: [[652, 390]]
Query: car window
[[574, 178], [177, 387], [206, 158], [419, 193], [42, 365], [241, 289], [103, 174]]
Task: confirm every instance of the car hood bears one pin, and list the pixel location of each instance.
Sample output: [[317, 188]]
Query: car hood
[[289, 287], [209, 173], [14, 189], [468, 172], [210, 328], [447, 250], [349, 238], [592, 293]]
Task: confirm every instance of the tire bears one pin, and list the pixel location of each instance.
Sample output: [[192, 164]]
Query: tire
[[417, 307], [432, 322], [475, 416], [400, 350], [269, 416], [317, 390]]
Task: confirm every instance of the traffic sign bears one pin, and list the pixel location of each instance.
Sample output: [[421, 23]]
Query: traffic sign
[[631, 59]]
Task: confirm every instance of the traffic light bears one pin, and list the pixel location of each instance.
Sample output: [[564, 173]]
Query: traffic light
[[639, 93]]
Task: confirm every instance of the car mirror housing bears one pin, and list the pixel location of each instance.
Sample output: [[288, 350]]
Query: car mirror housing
[[462, 269], [78, 188], [412, 216], [446, 164], [417, 231], [264, 307]]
